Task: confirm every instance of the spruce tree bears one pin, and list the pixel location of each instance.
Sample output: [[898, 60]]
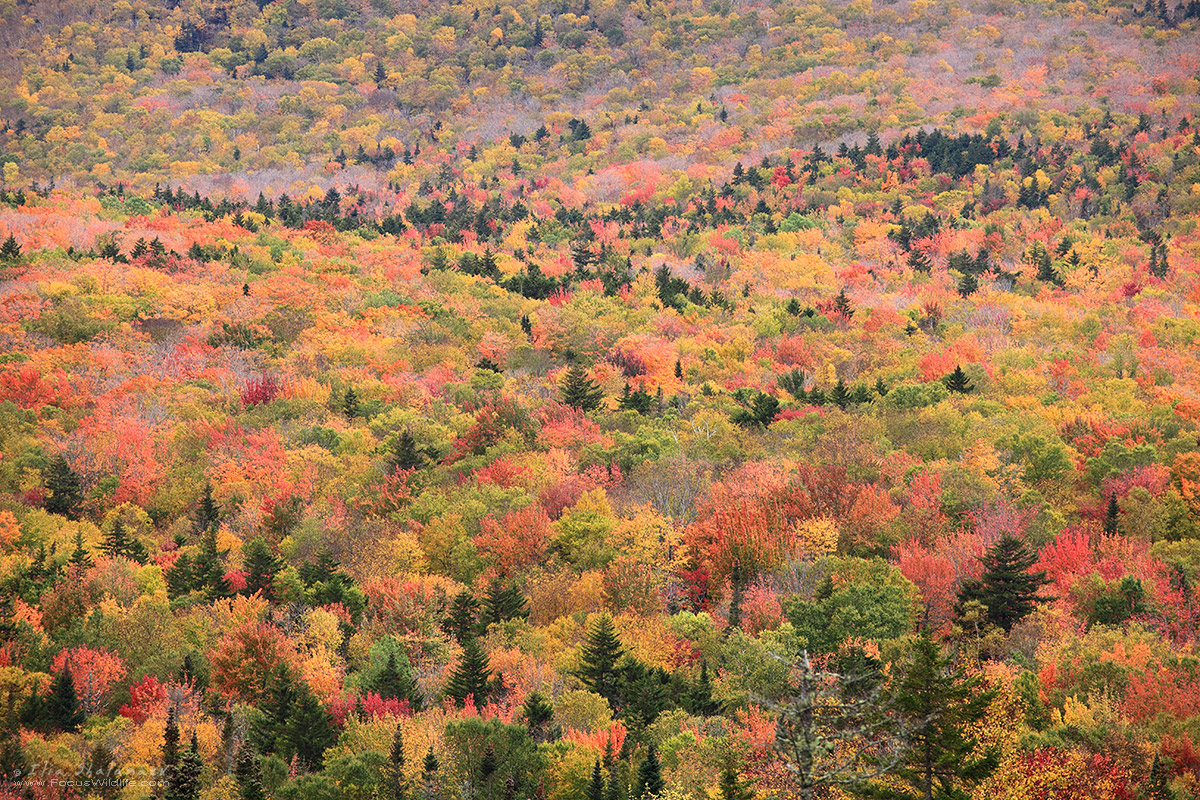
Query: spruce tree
[[1112, 515], [938, 705], [1007, 588], [595, 787], [63, 484], [471, 677], [649, 776], [208, 513], [180, 578], [503, 602], [732, 786], [61, 707], [599, 655], [699, 699], [187, 784], [842, 305], [580, 391], [208, 569], [429, 772], [957, 381], [80, 558], [10, 250], [309, 730], [170, 753], [249, 776], [394, 682], [115, 543], [463, 620], [350, 405], [261, 567], [405, 454], [397, 783], [538, 714], [266, 733]]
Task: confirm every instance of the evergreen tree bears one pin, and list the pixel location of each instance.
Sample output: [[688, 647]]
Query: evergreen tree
[[737, 594], [732, 787], [957, 381], [405, 454], [580, 391], [80, 558], [1007, 588], [61, 707], [187, 785], [538, 714], [208, 569], [180, 577], [429, 772], [170, 753], [350, 406], [397, 783], [599, 655], [63, 486], [1112, 516], [678, 369], [967, 285], [471, 677], [10, 250], [248, 776], [209, 513], [394, 682], [309, 730], [842, 304], [266, 732], [595, 787], [939, 705], [463, 621], [115, 543], [503, 602], [840, 395], [649, 776], [261, 567], [699, 699]]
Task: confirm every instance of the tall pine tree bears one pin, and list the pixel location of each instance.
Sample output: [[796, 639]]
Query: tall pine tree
[[472, 676], [1007, 588]]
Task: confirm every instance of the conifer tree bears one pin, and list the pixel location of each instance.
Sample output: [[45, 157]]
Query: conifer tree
[[463, 620], [538, 714], [10, 250], [350, 405], [649, 776], [261, 567], [180, 577], [394, 682], [1112, 516], [1007, 588], [699, 699], [599, 655], [209, 513], [80, 557], [309, 730], [939, 705], [503, 602], [115, 543], [208, 569], [957, 381], [429, 770], [471, 677], [595, 787], [405, 454], [187, 784], [63, 485], [249, 776], [580, 391], [397, 783], [170, 753], [61, 707], [732, 786]]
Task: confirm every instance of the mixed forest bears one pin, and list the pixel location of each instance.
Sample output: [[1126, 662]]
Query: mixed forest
[[599, 400]]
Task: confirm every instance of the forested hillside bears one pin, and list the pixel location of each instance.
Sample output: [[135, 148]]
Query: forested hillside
[[593, 400]]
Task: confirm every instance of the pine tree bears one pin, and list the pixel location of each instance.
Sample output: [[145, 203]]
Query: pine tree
[[599, 655], [63, 485], [699, 699], [261, 566], [678, 369], [397, 783], [266, 733], [115, 543], [350, 406], [309, 730], [841, 303], [180, 577], [503, 602], [394, 682], [248, 776], [80, 558], [731, 786], [187, 785], [471, 676], [939, 705], [840, 395], [580, 391], [595, 787], [429, 770], [1007, 588], [209, 513], [61, 706], [10, 250], [170, 753], [957, 381], [405, 454], [463, 620], [967, 285], [208, 569], [538, 714], [737, 586], [1112, 516], [649, 776]]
